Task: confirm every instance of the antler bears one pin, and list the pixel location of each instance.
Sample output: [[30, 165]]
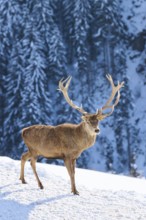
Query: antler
[[63, 88], [64, 85], [107, 105]]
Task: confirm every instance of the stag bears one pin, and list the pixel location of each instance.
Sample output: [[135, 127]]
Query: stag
[[66, 141]]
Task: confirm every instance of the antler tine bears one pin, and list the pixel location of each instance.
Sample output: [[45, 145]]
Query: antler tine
[[62, 82], [108, 76], [112, 107], [63, 87], [115, 89], [107, 105], [117, 99]]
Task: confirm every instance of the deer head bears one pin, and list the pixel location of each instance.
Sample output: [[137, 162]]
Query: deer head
[[93, 119]]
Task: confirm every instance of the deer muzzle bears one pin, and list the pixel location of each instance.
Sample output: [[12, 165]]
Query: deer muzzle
[[97, 130]]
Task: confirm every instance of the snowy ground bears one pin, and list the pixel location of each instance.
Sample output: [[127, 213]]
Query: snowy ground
[[102, 196]]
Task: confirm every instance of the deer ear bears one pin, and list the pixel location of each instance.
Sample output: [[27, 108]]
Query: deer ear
[[100, 117]]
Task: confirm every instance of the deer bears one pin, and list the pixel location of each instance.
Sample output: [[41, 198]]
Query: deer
[[66, 141]]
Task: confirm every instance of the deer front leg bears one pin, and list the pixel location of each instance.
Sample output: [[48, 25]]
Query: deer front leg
[[70, 165]]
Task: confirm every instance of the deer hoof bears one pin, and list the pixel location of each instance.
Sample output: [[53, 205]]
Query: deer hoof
[[23, 181], [75, 192], [41, 186]]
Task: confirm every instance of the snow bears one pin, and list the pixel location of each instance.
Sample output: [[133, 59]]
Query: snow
[[134, 15], [102, 196]]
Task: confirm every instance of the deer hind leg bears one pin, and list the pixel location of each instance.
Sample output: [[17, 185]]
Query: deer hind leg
[[26, 156], [33, 165], [70, 165]]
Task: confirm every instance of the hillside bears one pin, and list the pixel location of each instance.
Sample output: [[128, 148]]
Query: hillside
[[102, 196]]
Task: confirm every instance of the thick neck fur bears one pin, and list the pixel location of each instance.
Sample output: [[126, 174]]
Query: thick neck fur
[[87, 136]]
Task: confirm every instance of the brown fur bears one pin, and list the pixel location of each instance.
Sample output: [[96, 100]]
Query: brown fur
[[65, 141]]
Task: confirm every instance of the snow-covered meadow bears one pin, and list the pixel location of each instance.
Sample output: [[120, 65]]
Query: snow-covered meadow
[[102, 196]]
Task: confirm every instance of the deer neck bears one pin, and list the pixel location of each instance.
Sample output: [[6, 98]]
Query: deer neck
[[88, 130], [87, 137]]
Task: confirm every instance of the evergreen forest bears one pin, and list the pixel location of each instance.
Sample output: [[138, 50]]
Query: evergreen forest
[[43, 41]]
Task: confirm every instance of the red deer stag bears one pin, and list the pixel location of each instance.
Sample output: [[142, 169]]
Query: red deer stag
[[66, 141]]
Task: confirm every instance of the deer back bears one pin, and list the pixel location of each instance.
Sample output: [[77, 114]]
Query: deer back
[[58, 141]]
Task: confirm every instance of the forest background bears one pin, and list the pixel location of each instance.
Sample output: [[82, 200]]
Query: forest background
[[43, 41]]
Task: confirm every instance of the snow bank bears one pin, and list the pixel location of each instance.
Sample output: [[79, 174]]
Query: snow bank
[[102, 196]]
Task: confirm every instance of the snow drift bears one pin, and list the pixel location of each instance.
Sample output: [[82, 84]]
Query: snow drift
[[102, 196]]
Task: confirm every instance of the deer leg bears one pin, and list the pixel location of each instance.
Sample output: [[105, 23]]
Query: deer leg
[[33, 165], [73, 165], [70, 165], [73, 168], [26, 156]]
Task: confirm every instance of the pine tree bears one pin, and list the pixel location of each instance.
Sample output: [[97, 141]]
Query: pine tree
[[26, 83], [124, 131], [81, 12], [11, 18], [141, 68], [108, 36], [56, 55], [4, 42], [2, 71], [36, 95], [68, 29], [81, 27]]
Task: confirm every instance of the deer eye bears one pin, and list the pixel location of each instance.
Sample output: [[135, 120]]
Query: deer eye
[[94, 122]]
